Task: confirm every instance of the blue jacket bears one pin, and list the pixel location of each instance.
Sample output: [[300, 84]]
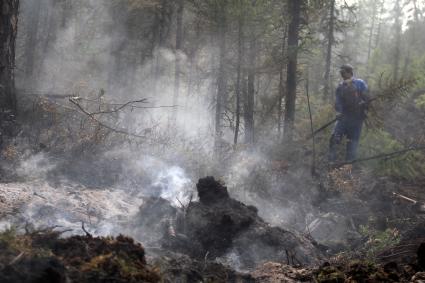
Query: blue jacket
[[362, 89]]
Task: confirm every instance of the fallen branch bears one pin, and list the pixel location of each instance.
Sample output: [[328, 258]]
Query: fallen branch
[[144, 100], [383, 155], [16, 259], [132, 106], [102, 124], [40, 196], [394, 255], [405, 198]]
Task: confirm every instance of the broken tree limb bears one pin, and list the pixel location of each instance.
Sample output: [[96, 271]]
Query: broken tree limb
[[53, 96], [102, 124], [405, 198], [420, 207], [144, 100], [16, 259], [382, 155]]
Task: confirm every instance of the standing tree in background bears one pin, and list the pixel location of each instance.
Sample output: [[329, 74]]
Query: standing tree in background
[[240, 60], [31, 42], [281, 88], [249, 98], [8, 31], [221, 20], [372, 29], [291, 75], [414, 23], [398, 31], [178, 49], [330, 39], [161, 26]]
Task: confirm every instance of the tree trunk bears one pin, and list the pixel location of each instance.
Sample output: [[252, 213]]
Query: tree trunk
[[412, 39], [397, 47], [281, 86], [177, 71], [378, 32], [50, 28], [381, 7], [221, 76], [239, 74], [31, 42], [326, 92], [291, 75], [162, 18], [250, 95], [371, 30], [8, 31]]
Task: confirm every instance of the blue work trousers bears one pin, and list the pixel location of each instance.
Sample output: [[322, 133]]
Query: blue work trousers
[[351, 128]]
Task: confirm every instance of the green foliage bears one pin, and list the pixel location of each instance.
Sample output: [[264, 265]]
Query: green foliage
[[378, 240], [410, 165]]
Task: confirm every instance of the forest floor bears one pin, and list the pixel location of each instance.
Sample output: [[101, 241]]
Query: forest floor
[[189, 238]]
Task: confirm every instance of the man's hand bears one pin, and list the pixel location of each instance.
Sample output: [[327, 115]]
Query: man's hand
[[339, 116]]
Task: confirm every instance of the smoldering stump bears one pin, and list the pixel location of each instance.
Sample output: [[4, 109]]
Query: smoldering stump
[[218, 225]]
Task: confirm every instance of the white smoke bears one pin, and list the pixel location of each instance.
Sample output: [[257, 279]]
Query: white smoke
[[174, 185]]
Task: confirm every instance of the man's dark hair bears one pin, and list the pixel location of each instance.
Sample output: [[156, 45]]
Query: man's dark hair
[[346, 68]]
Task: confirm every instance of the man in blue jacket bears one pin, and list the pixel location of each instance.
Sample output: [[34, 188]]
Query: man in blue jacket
[[351, 106]]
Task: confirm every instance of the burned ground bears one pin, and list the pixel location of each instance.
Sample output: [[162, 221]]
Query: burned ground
[[205, 241]]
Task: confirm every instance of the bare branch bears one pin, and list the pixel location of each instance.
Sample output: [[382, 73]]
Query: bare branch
[[144, 100], [102, 124], [16, 259]]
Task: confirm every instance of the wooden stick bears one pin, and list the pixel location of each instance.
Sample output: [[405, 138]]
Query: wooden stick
[[405, 198]]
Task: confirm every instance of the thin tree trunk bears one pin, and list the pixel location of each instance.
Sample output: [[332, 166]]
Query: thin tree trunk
[[291, 75], [221, 78], [397, 47], [281, 86], [179, 40], [378, 32], [280, 104], [313, 161], [8, 31], [30, 42], [412, 39], [250, 96], [371, 30], [160, 36], [239, 74], [326, 89], [66, 15], [51, 28]]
